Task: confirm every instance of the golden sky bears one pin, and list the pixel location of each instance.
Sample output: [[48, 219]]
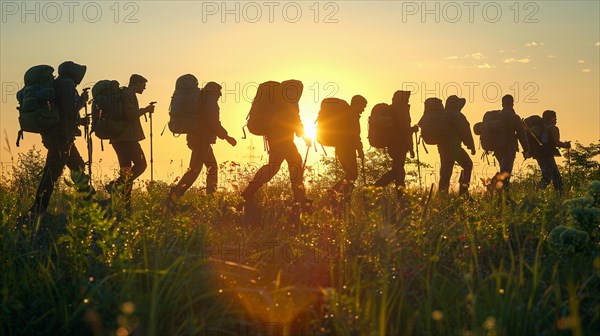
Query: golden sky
[[545, 53]]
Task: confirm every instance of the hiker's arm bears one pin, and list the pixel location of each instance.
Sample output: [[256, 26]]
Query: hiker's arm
[[131, 109], [215, 122], [220, 130], [466, 131], [554, 135], [357, 140]]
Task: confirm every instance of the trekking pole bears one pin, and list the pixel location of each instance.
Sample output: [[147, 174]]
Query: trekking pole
[[305, 157], [151, 148], [364, 176], [569, 168], [88, 137], [531, 132], [418, 161]]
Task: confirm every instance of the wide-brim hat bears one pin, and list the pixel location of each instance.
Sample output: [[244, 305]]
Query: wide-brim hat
[[454, 102]]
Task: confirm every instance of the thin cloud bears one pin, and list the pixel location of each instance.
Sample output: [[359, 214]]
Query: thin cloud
[[451, 57], [485, 66], [551, 56], [598, 44], [514, 60], [534, 44], [586, 70], [476, 56], [580, 61]]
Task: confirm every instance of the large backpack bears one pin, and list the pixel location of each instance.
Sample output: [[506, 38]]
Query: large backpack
[[434, 124], [265, 105], [108, 120], [492, 131], [381, 126], [537, 134], [37, 100], [184, 111], [332, 122]]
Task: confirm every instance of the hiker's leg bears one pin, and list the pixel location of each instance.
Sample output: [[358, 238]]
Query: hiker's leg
[[294, 160], [446, 166], [212, 171], [187, 180], [55, 163], [266, 172], [464, 160]]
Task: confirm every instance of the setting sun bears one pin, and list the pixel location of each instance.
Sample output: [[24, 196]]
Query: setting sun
[[155, 181]]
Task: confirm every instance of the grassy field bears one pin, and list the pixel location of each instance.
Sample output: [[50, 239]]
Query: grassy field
[[433, 265]]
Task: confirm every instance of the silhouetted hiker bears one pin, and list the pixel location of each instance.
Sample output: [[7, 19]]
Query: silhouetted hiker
[[348, 145], [459, 131], [206, 132], [401, 143], [550, 139], [60, 139], [499, 132], [127, 144], [284, 123], [514, 131]]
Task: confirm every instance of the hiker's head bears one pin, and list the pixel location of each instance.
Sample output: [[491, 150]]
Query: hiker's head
[[549, 117], [137, 83], [508, 101], [186, 82], [400, 97], [453, 103], [212, 91], [291, 90], [434, 104], [358, 104], [72, 70]]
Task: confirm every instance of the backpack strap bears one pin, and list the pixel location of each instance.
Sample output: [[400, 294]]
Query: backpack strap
[[19, 137]]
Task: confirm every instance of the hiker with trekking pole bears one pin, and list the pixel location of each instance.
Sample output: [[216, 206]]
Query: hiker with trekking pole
[[132, 161], [88, 136], [58, 136], [275, 114], [151, 146]]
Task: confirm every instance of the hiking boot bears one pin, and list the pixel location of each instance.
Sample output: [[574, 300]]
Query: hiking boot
[[463, 190]]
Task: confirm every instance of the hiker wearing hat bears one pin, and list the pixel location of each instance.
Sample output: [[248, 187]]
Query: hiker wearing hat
[[60, 139], [451, 151], [549, 150], [132, 161], [400, 145], [201, 142]]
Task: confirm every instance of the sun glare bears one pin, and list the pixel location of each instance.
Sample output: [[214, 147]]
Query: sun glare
[[310, 130]]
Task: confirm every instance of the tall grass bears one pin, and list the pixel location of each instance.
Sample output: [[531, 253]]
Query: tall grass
[[440, 265]]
